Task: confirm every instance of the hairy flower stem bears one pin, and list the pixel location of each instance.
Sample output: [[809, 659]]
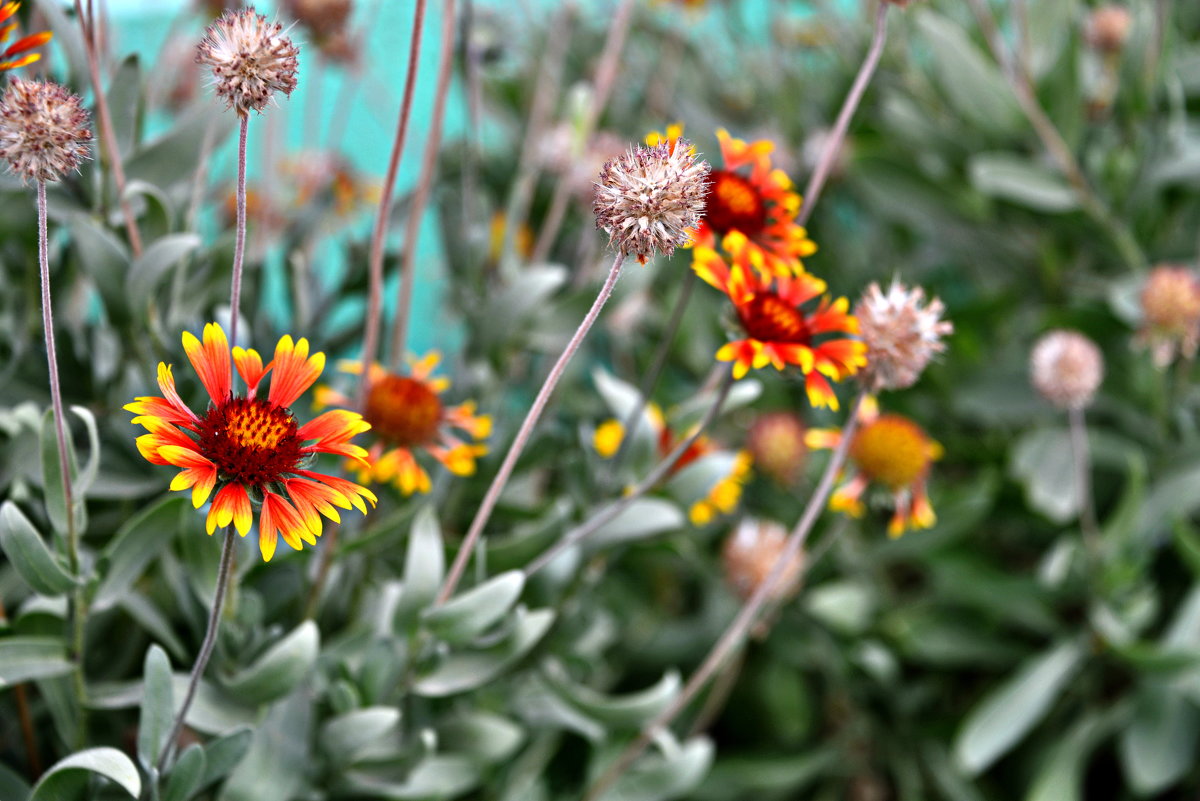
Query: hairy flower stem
[[375, 260], [660, 471], [523, 434], [424, 187], [650, 380], [734, 636], [78, 602], [606, 75], [837, 137], [239, 242], [1055, 144], [88, 26], [206, 648], [1080, 453]]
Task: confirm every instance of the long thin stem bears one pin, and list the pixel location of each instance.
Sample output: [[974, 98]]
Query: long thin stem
[[424, 186], [239, 242], [112, 151], [1083, 480], [384, 215], [78, 602], [660, 471], [736, 633], [21, 699], [549, 80], [606, 75], [1054, 142], [524, 433], [206, 648], [650, 380], [837, 137]]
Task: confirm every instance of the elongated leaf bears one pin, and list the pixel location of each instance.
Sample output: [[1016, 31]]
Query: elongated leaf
[[1011, 710], [486, 738], [1159, 746], [671, 775], [1061, 776], [158, 706], [277, 761], [971, 82], [28, 553], [277, 672], [224, 754], [155, 262], [1015, 179], [644, 518], [135, 545], [467, 670], [52, 478], [187, 775], [632, 710], [25, 658], [441, 776], [463, 618], [424, 566], [107, 762], [347, 736]]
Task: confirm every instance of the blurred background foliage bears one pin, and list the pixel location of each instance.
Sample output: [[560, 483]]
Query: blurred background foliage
[[994, 656]]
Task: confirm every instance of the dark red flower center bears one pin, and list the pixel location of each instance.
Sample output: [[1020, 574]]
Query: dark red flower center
[[734, 204], [403, 410], [770, 318], [251, 441]]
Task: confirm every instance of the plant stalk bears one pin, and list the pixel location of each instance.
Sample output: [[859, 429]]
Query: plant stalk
[[78, 602], [424, 187], [375, 261], [837, 137], [112, 151], [206, 648], [734, 636], [523, 434], [239, 242]]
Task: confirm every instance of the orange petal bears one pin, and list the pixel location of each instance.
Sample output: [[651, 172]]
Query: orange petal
[[210, 360], [232, 505], [294, 371]]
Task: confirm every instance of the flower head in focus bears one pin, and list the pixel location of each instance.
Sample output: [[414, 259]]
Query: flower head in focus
[[1066, 368], [889, 450], [1170, 302], [44, 131], [902, 334], [777, 328], [249, 449], [251, 59], [721, 498], [751, 197], [650, 199], [750, 554], [407, 417], [10, 57]]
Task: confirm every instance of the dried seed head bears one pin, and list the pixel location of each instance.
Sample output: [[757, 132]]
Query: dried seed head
[[1170, 313], [650, 198], [1066, 368], [776, 444], [750, 554], [901, 332], [251, 59], [1108, 27], [44, 130]]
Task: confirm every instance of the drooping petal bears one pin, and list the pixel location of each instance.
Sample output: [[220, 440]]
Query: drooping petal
[[294, 371], [232, 505], [210, 359], [348, 489], [28, 43]]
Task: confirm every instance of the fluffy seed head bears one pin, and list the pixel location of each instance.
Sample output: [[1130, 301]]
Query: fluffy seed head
[[776, 444], [44, 130], [902, 334], [1066, 368], [1170, 313], [1108, 27], [250, 58], [650, 198], [750, 554]]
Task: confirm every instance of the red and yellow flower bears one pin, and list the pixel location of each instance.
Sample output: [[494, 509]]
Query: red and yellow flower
[[778, 330], [749, 196], [250, 449], [407, 416], [10, 58], [724, 495], [890, 450]]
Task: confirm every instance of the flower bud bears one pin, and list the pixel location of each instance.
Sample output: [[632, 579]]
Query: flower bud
[[1066, 368]]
